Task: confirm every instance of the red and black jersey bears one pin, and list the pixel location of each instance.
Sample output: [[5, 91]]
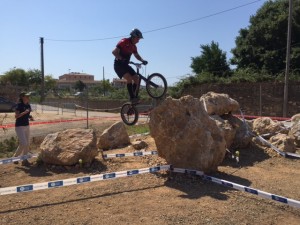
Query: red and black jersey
[[126, 48]]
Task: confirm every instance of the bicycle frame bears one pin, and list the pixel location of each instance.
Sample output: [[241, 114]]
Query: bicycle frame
[[156, 87], [138, 66]]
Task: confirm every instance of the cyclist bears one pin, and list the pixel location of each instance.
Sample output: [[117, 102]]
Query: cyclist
[[122, 52]]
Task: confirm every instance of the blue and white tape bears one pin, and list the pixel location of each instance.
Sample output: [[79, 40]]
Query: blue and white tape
[[79, 180], [16, 159], [120, 155], [284, 154], [114, 175], [239, 187], [105, 156]]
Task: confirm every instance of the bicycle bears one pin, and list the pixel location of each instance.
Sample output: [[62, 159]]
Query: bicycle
[[156, 87]]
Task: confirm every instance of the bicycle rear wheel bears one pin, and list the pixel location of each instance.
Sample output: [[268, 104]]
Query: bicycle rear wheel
[[156, 85], [129, 114]]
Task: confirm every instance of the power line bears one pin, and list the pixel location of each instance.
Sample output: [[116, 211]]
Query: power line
[[201, 18], [162, 28]]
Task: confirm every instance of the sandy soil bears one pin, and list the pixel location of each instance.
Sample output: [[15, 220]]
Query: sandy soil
[[161, 198]]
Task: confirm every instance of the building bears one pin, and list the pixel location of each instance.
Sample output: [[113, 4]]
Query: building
[[119, 83], [67, 81]]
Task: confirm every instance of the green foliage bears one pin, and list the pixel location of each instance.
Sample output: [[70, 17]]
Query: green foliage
[[262, 46], [137, 129], [31, 80], [15, 77], [8, 147], [102, 89], [260, 52], [212, 60], [249, 75], [34, 77], [50, 83], [239, 76], [79, 85], [295, 75], [122, 93]]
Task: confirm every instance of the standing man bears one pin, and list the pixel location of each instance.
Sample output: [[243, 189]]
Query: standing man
[[23, 116], [123, 51]]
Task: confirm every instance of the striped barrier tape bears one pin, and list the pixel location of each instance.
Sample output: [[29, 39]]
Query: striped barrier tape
[[239, 187], [80, 180], [120, 155], [127, 173], [105, 156], [284, 154], [16, 159]]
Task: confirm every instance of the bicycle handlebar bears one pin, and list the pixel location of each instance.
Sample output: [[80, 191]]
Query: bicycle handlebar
[[136, 64]]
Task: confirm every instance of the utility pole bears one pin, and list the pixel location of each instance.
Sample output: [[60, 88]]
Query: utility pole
[[42, 70], [288, 51], [103, 83]]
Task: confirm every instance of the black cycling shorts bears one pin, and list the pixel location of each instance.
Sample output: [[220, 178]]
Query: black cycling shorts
[[122, 68]]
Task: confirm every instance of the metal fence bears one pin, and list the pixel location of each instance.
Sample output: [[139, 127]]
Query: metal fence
[[51, 117]]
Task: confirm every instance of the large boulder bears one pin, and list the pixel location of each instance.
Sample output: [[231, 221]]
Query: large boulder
[[241, 129], [295, 133], [67, 147], [265, 125], [228, 130], [219, 104], [284, 142], [237, 133], [186, 136], [114, 137], [295, 119]]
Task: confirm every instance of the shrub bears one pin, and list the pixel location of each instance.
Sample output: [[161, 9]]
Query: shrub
[[8, 147]]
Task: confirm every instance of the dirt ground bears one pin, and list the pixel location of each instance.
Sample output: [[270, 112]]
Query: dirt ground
[[161, 198]]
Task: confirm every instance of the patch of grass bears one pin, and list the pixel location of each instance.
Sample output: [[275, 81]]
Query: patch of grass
[[8, 147], [138, 129]]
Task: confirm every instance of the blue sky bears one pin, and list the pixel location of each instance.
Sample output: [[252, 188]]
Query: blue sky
[[168, 51]]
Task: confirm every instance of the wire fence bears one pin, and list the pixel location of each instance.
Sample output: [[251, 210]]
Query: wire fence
[[52, 117]]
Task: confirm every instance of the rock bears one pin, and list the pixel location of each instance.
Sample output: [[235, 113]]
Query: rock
[[283, 142], [243, 131], [186, 136], [266, 125], [295, 133], [138, 145], [219, 104], [295, 119], [114, 137], [67, 147], [229, 131]]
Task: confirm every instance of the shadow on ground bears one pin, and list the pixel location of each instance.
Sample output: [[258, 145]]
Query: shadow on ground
[[247, 157], [43, 170], [194, 187]]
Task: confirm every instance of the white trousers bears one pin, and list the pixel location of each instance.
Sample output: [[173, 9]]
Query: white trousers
[[23, 133]]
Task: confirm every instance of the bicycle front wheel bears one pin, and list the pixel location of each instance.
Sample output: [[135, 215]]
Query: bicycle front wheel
[[129, 114], [156, 85]]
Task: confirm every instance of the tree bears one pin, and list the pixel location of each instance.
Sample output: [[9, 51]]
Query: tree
[[15, 76], [103, 88], [262, 46], [34, 77], [212, 60], [79, 85], [50, 83]]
